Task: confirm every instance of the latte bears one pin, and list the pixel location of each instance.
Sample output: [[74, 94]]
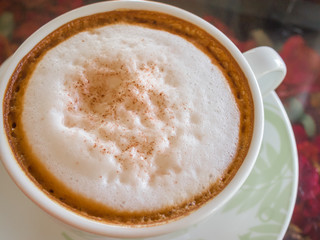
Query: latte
[[129, 117]]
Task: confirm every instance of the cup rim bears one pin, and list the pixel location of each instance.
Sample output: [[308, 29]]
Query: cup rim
[[92, 226]]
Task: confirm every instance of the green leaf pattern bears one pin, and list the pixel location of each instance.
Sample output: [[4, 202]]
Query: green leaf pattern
[[269, 185]]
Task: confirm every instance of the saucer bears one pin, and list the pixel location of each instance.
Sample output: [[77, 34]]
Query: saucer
[[262, 208]]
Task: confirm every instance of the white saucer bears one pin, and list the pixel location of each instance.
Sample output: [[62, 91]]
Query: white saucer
[[262, 209]]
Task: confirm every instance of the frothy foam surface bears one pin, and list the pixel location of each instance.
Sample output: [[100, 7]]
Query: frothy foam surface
[[135, 118]]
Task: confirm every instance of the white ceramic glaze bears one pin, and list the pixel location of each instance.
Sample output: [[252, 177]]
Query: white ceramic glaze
[[268, 67]]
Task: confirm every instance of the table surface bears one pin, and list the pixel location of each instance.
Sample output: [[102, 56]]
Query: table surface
[[292, 27]]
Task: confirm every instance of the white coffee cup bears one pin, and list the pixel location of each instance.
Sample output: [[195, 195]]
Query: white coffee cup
[[262, 66]]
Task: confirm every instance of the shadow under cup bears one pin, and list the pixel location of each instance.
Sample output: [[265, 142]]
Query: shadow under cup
[[54, 208]]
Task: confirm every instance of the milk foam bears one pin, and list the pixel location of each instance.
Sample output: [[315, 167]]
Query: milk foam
[[135, 118]]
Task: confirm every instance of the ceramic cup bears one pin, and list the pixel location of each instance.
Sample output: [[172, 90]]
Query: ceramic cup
[[262, 66]]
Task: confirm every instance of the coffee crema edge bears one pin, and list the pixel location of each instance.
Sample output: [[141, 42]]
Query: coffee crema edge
[[13, 102]]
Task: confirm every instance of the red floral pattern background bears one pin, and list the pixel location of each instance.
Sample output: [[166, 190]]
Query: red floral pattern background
[[300, 92]]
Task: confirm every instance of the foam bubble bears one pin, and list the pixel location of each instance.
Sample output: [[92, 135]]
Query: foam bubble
[[131, 115]]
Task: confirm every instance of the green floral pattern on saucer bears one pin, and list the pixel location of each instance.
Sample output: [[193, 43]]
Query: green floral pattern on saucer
[[271, 186]]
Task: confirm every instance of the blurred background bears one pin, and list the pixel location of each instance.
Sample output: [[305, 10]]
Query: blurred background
[[292, 27]]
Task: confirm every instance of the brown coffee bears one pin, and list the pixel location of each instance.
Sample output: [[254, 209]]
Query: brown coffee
[[129, 117]]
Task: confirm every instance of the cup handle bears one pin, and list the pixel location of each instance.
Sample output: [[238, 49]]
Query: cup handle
[[267, 66]]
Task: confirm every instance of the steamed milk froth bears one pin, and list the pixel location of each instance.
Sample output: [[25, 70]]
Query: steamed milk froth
[[133, 126]]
